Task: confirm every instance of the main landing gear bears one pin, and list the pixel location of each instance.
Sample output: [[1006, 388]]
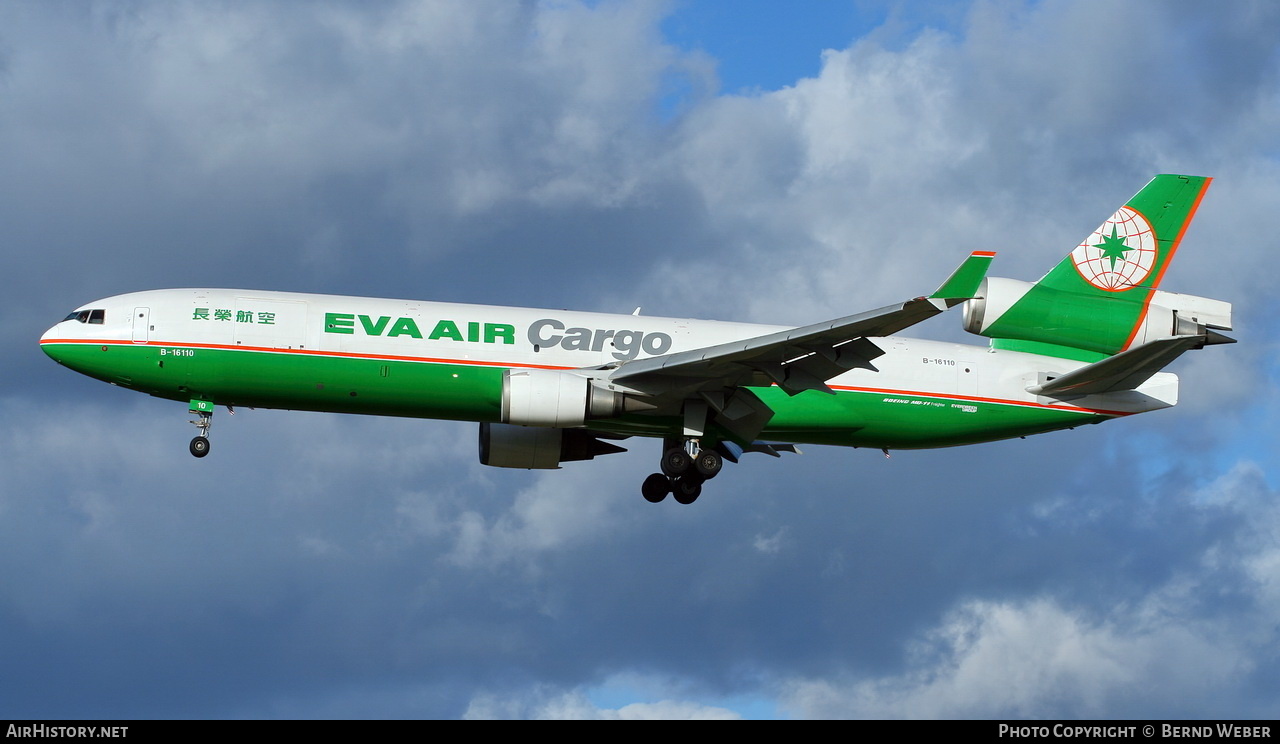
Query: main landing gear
[[684, 469]]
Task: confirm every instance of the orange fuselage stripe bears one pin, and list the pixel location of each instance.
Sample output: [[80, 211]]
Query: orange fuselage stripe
[[478, 363]]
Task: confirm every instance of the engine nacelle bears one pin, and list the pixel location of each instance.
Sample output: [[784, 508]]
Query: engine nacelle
[[549, 397], [538, 448], [1100, 324], [1201, 311], [995, 296]]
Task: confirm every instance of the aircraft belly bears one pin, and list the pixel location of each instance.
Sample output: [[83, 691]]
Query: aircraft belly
[[296, 380], [923, 394], [357, 385], [905, 419]]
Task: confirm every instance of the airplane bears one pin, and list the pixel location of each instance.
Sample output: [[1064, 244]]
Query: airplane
[[1084, 344]]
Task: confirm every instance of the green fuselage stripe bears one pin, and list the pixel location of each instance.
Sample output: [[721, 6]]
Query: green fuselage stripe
[[468, 390]]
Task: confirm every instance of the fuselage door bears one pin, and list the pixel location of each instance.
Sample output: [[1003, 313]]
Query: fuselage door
[[141, 324], [270, 323]]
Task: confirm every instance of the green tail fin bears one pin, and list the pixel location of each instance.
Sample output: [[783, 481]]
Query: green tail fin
[[1097, 297], [1127, 255]]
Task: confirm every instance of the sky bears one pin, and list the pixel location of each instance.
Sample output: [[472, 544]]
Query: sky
[[733, 160]]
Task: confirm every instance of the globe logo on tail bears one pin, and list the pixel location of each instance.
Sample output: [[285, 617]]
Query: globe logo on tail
[[1119, 254]]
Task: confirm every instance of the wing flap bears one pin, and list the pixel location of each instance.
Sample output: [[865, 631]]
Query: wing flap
[[740, 413]]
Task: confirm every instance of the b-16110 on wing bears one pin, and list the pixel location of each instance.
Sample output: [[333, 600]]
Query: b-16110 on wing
[[1084, 344]]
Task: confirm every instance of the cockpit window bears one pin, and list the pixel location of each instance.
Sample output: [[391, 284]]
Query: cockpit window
[[88, 316]]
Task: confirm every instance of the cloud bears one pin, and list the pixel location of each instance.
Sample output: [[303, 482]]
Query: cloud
[[1028, 660], [549, 515], [1174, 647]]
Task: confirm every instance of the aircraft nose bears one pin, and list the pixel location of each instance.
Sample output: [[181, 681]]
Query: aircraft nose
[[47, 344]]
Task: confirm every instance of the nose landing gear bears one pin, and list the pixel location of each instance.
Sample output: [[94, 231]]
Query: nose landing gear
[[685, 468], [200, 444]]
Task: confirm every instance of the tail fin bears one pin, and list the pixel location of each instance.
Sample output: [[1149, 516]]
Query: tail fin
[[1097, 298], [1127, 255]]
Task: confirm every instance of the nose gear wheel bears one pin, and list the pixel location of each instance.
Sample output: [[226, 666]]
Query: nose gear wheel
[[200, 444]]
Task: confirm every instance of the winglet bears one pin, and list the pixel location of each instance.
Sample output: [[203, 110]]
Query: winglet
[[964, 281]]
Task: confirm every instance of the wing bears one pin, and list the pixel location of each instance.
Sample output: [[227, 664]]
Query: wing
[[796, 360]]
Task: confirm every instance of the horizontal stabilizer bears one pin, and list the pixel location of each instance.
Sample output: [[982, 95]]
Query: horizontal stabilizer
[[1124, 371]]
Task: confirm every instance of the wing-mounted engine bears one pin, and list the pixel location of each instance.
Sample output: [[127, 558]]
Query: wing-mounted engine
[[540, 448], [560, 398], [1009, 309]]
